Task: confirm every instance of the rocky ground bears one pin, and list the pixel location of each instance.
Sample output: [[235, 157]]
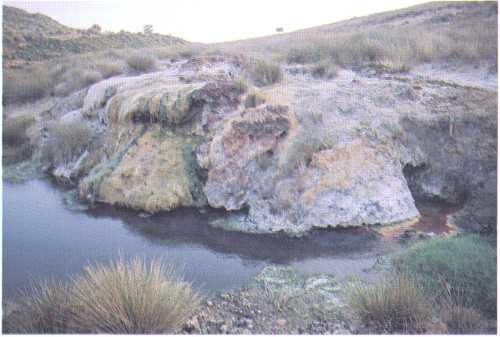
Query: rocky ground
[[353, 150]]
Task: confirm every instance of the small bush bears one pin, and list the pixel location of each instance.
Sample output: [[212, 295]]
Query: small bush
[[253, 100], [46, 308], [461, 268], [462, 320], [264, 73], [16, 142], [75, 80], [67, 141], [240, 86], [110, 68], [309, 54], [325, 69], [395, 304], [141, 63], [131, 298]]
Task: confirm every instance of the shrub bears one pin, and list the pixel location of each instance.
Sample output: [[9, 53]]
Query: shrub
[[14, 129], [20, 85], [16, 142], [44, 309], [309, 54], [462, 268], [395, 304], [253, 100], [264, 73], [462, 320], [108, 68], [67, 141], [141, 63], [325, 69], [131, 298], [240, 85], [75, 80]]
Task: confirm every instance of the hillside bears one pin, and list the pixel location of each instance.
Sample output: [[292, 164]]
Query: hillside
[[36, 37], [431, 32]]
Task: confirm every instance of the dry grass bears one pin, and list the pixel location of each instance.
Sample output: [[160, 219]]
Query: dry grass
[[254, 99], [462, 320], [264, 73], [16, 142], [394, 305], [122, 297], [46, 308], [325, 69], [141, 62], [131, 298], [25, 86], [67, 141]]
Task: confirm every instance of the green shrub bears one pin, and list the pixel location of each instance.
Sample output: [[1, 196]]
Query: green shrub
[[67, 141], [131, 298], [141, 62], [462, 268], [462, 320], [264, 73], [46, 308], [393, 305], [310, 54]]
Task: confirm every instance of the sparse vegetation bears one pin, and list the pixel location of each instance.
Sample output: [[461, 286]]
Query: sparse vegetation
[[240, 85], [324, 69], [254, 99], [67, 141], [462, 269], [122, 297], [393, 305], [264, 73], [139, 62]]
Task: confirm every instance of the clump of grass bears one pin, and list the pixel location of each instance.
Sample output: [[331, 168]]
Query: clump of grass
[[46, 308], [393, 305], [141, 63], [15, 128], [122, 297], [131, 297], [325, 69], [264, 73], [462, 269], [254, 99], [313, 53], [462, 320], [67, 141]]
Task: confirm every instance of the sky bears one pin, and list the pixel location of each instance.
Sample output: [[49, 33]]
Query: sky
[[208, 20]]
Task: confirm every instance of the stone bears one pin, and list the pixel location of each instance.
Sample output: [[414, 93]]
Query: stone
[[281, 322]]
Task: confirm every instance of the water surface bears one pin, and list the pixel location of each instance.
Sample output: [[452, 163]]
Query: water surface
[[43, 238]]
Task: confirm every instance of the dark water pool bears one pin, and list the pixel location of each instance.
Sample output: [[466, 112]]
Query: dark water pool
[[43, 238]]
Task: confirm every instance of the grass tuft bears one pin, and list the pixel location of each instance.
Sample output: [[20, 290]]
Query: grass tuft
[[264, 73], [133, 297], [141, 63], [394, 305]]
